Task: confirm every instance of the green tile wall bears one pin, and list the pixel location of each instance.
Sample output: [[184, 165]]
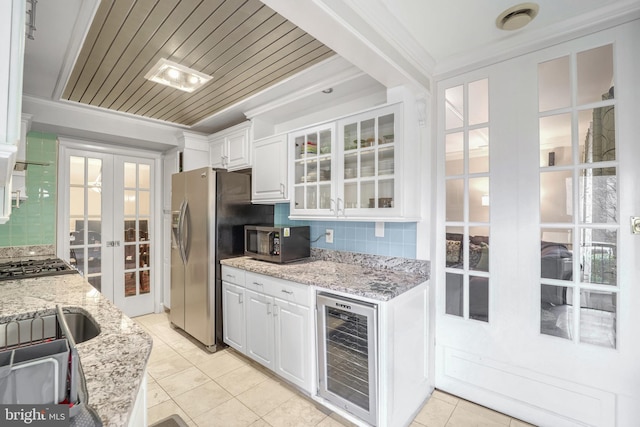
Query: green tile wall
[[34, 223]]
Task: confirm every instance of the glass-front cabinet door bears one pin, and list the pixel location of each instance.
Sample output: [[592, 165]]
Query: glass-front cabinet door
[[313, 171], [368, 145]]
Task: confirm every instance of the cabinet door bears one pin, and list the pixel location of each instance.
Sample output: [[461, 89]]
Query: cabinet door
[[368, 147], [233, 323], [259, 315], [270, 169], [238, 155], [293, 343], [313, 172], [217, 153]]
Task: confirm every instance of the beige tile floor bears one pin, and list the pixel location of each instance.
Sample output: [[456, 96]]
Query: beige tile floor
[[227, 389]]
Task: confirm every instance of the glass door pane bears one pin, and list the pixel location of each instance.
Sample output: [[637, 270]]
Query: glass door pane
[[137, 214], [313, 162], [85, 217], [467, 213], [368, 160], [579, 198]]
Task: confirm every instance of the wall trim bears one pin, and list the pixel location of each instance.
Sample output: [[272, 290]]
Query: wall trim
[[599, 20]]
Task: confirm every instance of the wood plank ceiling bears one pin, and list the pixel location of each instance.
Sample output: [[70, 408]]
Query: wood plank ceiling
[[243, 44]]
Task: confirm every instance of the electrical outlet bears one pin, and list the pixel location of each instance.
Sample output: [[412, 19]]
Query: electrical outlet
[[329, 235]]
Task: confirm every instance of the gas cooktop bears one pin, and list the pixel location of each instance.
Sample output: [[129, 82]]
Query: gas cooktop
[[25, 269]]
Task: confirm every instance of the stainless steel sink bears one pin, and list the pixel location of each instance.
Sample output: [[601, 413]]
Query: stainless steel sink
[[81, 326]]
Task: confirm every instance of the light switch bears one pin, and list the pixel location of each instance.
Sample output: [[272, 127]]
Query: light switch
[[379, 229], [635, 224]]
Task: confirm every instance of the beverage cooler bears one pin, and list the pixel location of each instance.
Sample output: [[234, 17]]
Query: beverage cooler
[[347, 355]]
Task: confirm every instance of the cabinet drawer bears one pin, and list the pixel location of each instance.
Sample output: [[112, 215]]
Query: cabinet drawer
[[233, 275], [285, 290]]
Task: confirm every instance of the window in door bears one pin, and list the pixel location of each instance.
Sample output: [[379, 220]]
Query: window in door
[[137, 215], [467, 200], [85, 217], [579, 221]]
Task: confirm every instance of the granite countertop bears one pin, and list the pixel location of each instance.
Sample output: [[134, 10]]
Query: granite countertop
[[113, 362], [375, 277]]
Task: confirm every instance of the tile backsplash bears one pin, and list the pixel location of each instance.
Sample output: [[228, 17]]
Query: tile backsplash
[[34, 223], [399, 237]]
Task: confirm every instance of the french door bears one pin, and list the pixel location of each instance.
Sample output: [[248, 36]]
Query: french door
[[537, 279], [106, 209]]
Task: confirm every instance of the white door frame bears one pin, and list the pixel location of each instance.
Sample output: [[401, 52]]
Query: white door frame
[[62, 245]]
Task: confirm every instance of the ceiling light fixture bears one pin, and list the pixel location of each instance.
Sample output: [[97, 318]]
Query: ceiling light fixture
[[517, 16], [176, 76]]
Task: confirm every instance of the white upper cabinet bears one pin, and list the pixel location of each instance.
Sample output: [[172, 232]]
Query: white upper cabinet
[[351, 169], [230, 148], [217, 153], [368, 144], [12, 18], [269, 182], [195, 151], [313, 189]]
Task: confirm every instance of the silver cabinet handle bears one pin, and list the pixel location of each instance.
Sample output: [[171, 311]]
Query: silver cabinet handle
[[231, 275], [331, 208], [275, 310], [268, 308], [287, 292], [282, 189], [338, 206], [240, 299], [258, 284], [17, 193]]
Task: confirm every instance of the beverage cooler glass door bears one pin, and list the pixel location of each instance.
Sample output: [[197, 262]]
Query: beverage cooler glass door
[[347, 355]]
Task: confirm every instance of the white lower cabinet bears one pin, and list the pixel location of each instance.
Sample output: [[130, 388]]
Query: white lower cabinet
[[259, 311], [269, 320], [293, 360], [233, 316], [139, 412]]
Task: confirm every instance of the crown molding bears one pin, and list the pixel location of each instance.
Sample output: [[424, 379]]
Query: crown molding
[[601, 19], [79, 120]]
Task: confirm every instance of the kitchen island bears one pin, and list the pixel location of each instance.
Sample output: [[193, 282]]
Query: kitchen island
[[114, 362]]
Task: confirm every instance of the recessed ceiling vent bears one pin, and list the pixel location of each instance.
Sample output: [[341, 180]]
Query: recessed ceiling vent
[[517, 16]]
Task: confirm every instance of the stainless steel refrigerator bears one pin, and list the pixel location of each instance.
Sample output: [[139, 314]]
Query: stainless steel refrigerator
[[209, 210]]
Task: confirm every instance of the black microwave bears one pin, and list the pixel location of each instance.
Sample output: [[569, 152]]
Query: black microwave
[[278, 244]]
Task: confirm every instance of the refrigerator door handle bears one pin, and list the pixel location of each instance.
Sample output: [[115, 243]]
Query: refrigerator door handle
[[180, 237], [186, 232]]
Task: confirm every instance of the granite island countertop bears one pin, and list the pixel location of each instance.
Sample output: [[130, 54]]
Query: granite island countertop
[[113, 362], [378, 278]]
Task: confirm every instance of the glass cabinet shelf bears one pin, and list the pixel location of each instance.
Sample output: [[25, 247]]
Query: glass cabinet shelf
[[313, 164], [347, 168], [368, 160]]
